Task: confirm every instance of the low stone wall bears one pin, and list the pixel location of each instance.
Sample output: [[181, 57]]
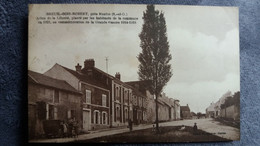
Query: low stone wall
[[231, 112]]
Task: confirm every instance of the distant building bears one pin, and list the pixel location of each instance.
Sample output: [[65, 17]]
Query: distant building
[[177, 114], [164, 108], [185, 112], [210, 111], [139, 101], [139, 107], [168, 108], [214, 110], [194, 115], [230, 109], [175, 108], [50, 99]]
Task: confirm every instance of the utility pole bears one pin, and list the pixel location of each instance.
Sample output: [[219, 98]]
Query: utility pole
[[106, 64]]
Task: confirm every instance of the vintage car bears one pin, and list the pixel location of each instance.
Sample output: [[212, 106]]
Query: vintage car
[[52, 128]]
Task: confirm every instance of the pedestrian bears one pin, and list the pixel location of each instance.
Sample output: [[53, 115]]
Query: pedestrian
[[76, 128], [70, 127], [195, 128], [61, 129], [130, 124], [153, 128], [65, 129]]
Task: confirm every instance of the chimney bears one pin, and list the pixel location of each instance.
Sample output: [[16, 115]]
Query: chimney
[[118, 75], [89, 63], [78, 67]]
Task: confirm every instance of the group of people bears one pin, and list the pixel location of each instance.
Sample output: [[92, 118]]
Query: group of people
[[70, 128]]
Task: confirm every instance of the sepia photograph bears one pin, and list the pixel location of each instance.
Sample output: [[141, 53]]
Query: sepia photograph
[[125, 73]]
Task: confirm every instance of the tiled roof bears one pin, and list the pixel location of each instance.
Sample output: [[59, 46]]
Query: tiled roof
[[140, 85], [85, 78], [112, 77], [50, 82], [185, 108]]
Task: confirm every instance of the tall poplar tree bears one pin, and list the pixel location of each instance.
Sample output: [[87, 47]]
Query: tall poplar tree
[[155, 56]]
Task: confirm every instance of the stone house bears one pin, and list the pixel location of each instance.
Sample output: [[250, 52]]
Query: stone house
[[139, 102], [95, 98], [214, 109], [139, 107], [185, 112], [50, 99], [210, 111], [108, 100]]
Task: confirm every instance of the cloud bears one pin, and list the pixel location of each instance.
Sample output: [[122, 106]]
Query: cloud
[[199, 57]]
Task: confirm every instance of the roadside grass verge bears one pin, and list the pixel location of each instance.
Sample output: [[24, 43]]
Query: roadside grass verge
[[166, 134]]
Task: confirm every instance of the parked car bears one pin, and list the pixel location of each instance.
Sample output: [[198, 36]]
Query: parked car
[[52, 128]]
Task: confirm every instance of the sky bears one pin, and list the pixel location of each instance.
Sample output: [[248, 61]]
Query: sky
[[204, 44]]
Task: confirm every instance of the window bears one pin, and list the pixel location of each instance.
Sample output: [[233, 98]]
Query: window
[[117, 92], [104, 118], [140, 101], [126, 97], [117, 113], [50, 112], [126, 115], [71, 114], [144, 115], [130, 97], [104, 100], [56, 96], [55, 113], [96, 117], [47, 111], [135, 100], [88, 96]]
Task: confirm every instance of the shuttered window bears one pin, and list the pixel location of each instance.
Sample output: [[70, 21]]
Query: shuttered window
[[88, 96]]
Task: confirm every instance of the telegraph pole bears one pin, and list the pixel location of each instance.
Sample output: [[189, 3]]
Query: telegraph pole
[[106, 64]]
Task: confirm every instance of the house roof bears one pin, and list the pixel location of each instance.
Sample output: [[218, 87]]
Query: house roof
[[185, 108], [164, 101], [112, 77], [135, 91], [141, 85], [39, 78], [84, 77], [193, 114]]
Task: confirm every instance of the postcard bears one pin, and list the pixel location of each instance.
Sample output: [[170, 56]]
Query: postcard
[[126, 73]]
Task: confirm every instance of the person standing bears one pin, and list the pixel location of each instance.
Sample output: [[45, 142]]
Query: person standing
[[130, 124], [65, 130], [195, 128]]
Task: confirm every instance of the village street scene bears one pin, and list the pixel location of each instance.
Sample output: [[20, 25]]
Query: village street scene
[[92, 111], [156, 80], [54, 102]]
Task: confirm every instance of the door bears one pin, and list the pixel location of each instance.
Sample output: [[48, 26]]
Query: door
[[86, 120]]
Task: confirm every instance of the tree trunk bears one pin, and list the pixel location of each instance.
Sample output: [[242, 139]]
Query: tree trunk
[[156, 111]]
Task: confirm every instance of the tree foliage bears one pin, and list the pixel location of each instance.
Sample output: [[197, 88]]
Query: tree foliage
[[231, 100], [155, 56]]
